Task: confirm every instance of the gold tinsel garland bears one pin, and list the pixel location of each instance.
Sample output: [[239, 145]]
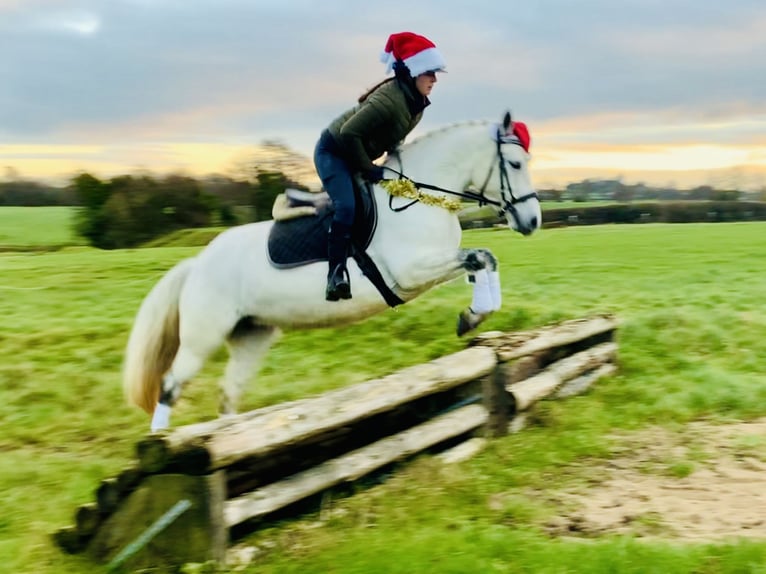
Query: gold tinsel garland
[[405, 188]]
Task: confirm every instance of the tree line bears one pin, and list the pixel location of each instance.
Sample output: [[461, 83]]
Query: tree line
[[616, 190], [128, 210]]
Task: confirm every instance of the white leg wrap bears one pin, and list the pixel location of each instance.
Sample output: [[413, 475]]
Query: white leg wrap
[[161, 417], [482, 297], [494, 290]]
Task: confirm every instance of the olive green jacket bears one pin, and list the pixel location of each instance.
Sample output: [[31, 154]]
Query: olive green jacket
[[379, 123]]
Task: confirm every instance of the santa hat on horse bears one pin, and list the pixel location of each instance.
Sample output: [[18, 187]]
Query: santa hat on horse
[[417, 52]]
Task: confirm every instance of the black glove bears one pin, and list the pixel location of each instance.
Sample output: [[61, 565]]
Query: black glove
[[373, 174]]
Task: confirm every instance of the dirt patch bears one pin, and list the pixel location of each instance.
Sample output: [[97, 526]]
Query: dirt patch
[[705, 483]]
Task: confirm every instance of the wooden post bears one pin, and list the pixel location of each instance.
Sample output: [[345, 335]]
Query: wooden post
[[87, 518], [497, 401], [69, 540], [199, 535], [112, 490]]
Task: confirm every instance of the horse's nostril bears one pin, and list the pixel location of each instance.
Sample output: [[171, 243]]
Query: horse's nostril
[[533, 223]]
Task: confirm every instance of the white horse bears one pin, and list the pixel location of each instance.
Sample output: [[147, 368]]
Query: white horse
[[230, 292]]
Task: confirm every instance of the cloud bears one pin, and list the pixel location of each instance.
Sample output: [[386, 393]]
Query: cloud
[[79, 23], [670, 158], [135, 75], [731, 39], [659, 127]]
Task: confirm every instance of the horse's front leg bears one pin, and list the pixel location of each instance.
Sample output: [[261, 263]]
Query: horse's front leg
[[483, 274]]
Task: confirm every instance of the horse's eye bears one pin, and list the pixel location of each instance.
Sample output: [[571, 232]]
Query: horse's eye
[[515, 164]]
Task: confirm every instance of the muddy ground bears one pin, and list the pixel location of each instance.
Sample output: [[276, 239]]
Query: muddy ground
[[706, 483]]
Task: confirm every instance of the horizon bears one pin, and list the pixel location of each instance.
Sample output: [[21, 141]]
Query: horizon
[[747, 178]]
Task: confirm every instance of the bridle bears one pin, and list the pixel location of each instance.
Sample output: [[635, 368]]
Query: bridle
[[508, 200]]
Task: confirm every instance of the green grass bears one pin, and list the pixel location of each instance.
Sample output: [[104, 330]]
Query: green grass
[[691, 347], [34, 228], [199, 236]]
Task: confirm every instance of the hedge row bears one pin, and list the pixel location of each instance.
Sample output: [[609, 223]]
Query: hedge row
[[649, 212]]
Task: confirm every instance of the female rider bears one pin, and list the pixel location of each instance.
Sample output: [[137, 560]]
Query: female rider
[[382, 118]]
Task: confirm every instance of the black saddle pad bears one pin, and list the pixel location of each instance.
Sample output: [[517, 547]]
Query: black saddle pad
[[303, 240]]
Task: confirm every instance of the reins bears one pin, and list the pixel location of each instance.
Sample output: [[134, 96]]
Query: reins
[[505, 205]]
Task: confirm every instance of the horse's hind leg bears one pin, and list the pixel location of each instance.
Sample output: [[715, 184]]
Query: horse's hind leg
[[198, 339], [247, 346]]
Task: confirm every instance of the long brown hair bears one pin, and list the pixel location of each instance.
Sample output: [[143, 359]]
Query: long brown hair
[[372, 89]]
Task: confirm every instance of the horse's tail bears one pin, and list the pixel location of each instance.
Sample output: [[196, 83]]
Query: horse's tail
[[154, 339]]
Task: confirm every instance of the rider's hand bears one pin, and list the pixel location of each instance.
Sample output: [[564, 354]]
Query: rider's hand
[[373, 174]]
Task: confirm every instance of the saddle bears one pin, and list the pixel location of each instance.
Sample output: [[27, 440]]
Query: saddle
[[302, 222], [299, 236]]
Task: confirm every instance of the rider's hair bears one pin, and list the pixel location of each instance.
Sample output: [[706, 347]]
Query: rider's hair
[[366, 95], [401, 73]]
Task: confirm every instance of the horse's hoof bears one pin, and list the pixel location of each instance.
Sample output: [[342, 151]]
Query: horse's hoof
[[464, 323], [468, 321]]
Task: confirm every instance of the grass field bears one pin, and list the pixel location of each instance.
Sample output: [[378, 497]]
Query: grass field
[[34, 228], [692, 347]]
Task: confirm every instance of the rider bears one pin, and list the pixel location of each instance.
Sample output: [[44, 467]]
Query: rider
[[382, 118]]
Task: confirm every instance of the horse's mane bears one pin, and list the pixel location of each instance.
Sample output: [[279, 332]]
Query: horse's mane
[[438, 131], [439, 138]]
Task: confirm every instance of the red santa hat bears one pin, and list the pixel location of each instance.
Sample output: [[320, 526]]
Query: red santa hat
[[521, 131], [516, 132], [417, 52]]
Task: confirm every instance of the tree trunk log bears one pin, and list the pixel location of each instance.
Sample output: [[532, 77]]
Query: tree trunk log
[[277, 428], [527, 392], [463, 451], [583, 382], [353, 465], [511, 346]]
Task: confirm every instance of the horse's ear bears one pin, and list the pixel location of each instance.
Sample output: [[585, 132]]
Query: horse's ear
[[506, 121]]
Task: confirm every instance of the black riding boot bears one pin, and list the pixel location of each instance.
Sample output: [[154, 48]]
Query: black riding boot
[[338, 282]]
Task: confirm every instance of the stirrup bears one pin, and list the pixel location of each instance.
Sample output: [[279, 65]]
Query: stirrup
[[338, 284]]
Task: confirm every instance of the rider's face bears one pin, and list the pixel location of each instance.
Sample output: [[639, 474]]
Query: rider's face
[[425, 83]]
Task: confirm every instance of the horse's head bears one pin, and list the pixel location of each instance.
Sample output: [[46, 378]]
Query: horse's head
[[508, 182]]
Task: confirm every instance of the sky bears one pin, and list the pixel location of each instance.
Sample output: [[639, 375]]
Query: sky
[[664, 92]]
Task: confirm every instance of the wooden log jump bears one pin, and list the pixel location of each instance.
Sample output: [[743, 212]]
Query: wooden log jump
[[238, 470]]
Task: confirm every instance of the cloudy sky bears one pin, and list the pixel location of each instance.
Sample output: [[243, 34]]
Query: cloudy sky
[[661, 91]]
